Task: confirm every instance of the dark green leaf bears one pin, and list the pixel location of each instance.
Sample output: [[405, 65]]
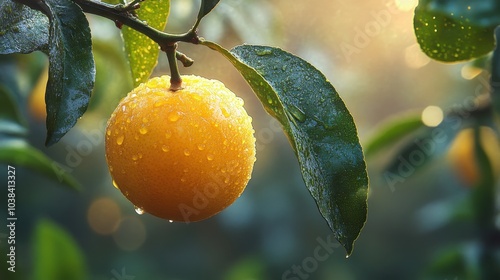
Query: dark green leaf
[[391, 132], [456, 30], [57, 255], [18, 152], [319, 127], [11, 121], [206, 7], [495, 74], [22, 29], [141, 51], [71, 69]]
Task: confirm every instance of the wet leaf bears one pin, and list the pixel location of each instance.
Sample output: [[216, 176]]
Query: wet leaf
[[206, 7], [320, 129], [71, 68], [22, 29], [141, 51], [452, 30], [19, 153]]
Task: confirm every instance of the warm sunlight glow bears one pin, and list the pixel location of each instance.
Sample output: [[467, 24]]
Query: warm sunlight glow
[[415, 58], [406, 5], [432, 116], [469, 72]]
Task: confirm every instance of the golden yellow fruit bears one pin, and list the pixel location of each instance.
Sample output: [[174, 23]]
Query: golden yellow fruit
[[463, 158], [180, 155]]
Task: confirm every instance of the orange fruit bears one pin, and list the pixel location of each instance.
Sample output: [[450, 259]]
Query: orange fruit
[[462, 154], [180, 155]]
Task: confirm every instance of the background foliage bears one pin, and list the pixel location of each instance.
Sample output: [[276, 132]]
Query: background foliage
[[426, 223]]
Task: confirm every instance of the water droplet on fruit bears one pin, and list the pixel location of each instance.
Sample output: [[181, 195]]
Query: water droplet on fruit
[[139, 210], [144, 120], [201, 147], [115, 184], [187, 152], [170, 221], [134, 157], [143, 130], [225, 111], [168, 134], [226, 181], [165, 148], [119, 140], [108, 132], [173, 117], [210, 157]]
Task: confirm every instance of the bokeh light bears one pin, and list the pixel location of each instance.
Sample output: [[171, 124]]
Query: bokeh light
[[432, 116], [103, 216]]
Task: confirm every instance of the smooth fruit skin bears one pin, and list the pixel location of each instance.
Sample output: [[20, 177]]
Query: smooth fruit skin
[[183, 155]]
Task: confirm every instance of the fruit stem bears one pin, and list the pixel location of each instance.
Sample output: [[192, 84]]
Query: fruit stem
[[175, 76], [125, 14]]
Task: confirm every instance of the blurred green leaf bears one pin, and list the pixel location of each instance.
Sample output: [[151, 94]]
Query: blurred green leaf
[[417, 152], [56, 254], [206, 7], [391, 132], [455, 30], [23, 30], [11, 121], [247, 268], [18, 152], [319, 127], [71, 68], [141, 51], [455, 263]]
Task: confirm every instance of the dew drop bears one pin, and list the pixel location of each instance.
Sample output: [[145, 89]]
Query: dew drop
[[143, 130], [173, 117], [170, 221], [226, 181], [144, 120], [115, 184], [139, 210], [108, 132], [263, 52], [201, 147], [210, 157], [297, 113], [269, 99], [187, 152], [119, 140], [134, 157], [165, 148], [168, 134]]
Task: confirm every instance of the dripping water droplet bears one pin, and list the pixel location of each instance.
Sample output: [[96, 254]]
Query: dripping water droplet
[[139, 210]]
